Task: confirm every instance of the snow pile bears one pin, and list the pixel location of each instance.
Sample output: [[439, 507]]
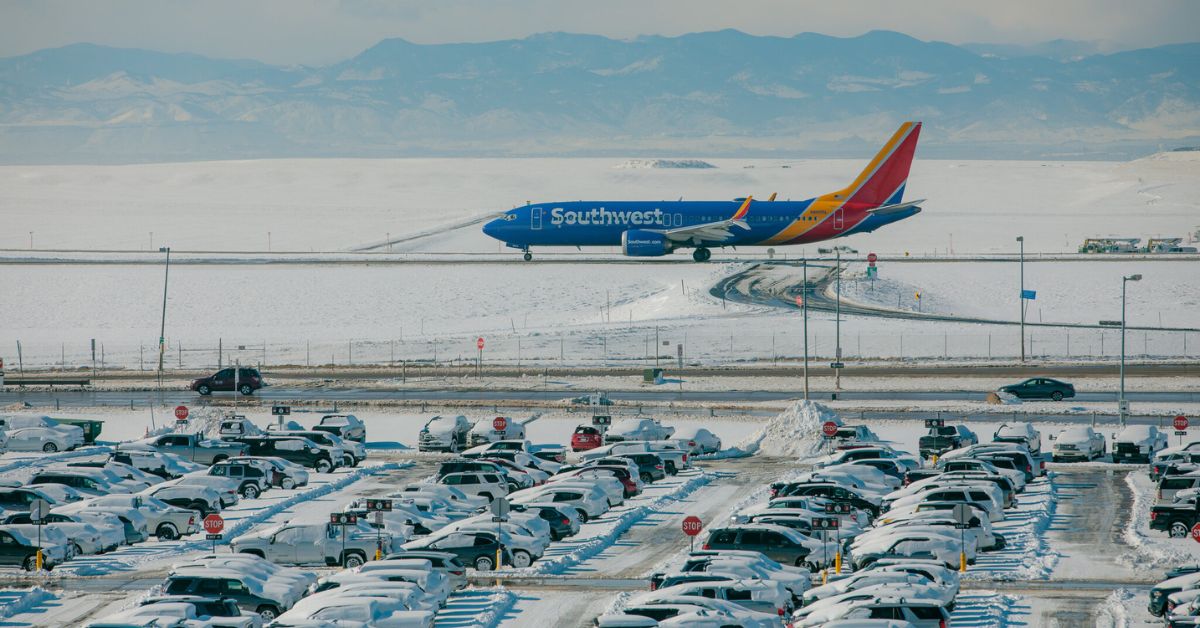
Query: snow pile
[[795, 433], [1151, 550], [27, 465], [987, 609], [17, 601], [1028, 554], [1003, 398], [664, 163], [587, 548], [486, 607]]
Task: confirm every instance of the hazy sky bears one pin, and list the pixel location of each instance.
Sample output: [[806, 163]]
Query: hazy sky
[[322, 31]]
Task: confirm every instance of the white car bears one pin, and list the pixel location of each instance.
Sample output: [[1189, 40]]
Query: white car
[[944, 548], [484, 431], [763, 596], [444, 434], [481, 484], [199, 498], [86, 481], [164, 465], [861, 580], [418, 571], [1020, 433], [354, 610], [1138, 443], [588, 503], [1079, 443], [644, 428], [227, 488], [71, 433], [739, 615], [346, 426], [85, 537], [171, 614], [290, 475], [609, 486], [42, 439], [168, 522], [698, 440], [985, 494], [452, 494], [749, 564], [960, 465]]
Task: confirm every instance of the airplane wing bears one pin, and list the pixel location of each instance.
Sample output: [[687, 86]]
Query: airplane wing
[[712, 231], [891, 209]]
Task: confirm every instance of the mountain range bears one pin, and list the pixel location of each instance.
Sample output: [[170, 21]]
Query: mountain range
[[717, 93]]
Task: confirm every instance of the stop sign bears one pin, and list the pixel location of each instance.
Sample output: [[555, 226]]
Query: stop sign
[[871, 257], [692, 525], [479, 343], [1196, 532], [799, 301], [829, 428], [213, 524], [1181, 423], [181, 413], [499, 423]]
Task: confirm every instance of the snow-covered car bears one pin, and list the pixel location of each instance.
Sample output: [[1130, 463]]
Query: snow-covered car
[[253, 476], [865, 453], [484, 431], [288, 475], [168, 522], [610, 487], [985, 494], [1138, 443], [85, 537], [199, 498], [1021, 434], [444, 433], [957, 465], [753, 594], [305, 541], [486, 485], [347, 610], [345, 426], [944, 548], [744, 564], [460, 499], [226, 488], [737, 615], [164, 465], [418, 571], [68, 433], [854, 434], [206, 611], [84, 480], [42, 439], [254, 584], [862, 580], [171, 614], [639, 429], [19, 548], [698, 440], [347, 453], [236, 426], [908, 612], [588, 503], [1079, 443]]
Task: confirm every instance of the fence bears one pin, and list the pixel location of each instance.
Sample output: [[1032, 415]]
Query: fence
[[636, 346]]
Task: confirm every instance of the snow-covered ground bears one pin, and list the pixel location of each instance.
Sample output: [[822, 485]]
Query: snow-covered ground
[[337, 204]]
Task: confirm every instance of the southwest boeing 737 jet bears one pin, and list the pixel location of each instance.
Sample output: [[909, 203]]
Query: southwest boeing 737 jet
[[655, 228]]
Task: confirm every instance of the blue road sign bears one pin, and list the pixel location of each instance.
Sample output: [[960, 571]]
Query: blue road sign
[[1029, 294]]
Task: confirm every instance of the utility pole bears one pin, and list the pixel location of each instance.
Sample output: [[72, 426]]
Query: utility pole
[[1021, 299], [837, 326], [162, 330]]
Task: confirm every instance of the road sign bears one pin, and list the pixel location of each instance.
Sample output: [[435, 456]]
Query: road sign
[[1029, 295], [500, 507], [38, 509], [213, 537], [692, 525], [962, 516], [281, 410], [479, 343], [1196, 532], [1180, 423], [499, 423], [837, 365], [838, 508], [377, 505], [342, 518], [213, 523], [1181, 432], [181, 413], [871, 257], [825, 523], [935, 423], [602, 419], [829, 429], [379, 518], [799, 301]]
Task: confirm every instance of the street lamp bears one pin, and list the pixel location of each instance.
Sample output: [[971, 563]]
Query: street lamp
[[804, 306], [162, 330], [1021, 300], [837, 325], [1122, 406]]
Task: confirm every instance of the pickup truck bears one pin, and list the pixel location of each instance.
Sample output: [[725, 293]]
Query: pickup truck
[[638, 429], [314, 543], [939, 440], [193, 447], [1178, 517]]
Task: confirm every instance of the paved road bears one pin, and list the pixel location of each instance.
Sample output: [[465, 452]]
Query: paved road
[[666, 393]]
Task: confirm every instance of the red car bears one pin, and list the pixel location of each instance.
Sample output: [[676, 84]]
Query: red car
[[586, 437]]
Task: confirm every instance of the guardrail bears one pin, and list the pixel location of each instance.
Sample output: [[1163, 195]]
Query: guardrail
[[33, 381]]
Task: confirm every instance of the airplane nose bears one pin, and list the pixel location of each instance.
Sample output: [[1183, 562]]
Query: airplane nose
[[492, 228]]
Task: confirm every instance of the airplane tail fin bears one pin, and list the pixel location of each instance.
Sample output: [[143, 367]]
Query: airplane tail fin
[[883, 180]]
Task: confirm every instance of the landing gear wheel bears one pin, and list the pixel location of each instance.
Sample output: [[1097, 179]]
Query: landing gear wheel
[[528, 256], [701, 254]]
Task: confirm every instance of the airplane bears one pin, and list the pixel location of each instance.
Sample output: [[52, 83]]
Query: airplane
[[657, 228]]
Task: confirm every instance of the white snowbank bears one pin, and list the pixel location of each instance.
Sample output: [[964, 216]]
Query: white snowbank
[[16, 601], [795, 433]]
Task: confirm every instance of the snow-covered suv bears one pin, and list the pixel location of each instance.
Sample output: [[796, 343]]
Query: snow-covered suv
[[638, 429]]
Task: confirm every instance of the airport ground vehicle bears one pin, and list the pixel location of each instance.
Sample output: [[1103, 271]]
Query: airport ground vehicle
[[193, 447], [247, 381], [444, 434], [1040, 388], [303, 542]]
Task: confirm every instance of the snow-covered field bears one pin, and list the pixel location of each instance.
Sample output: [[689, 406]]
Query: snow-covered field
[[338, 204]]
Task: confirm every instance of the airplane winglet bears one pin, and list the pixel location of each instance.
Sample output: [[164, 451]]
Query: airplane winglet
[[772, 196]]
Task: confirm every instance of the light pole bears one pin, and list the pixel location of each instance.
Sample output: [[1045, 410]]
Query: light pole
[[837, 325], [1122, 407], [804, 307], [1021, 299], [162, 330]]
